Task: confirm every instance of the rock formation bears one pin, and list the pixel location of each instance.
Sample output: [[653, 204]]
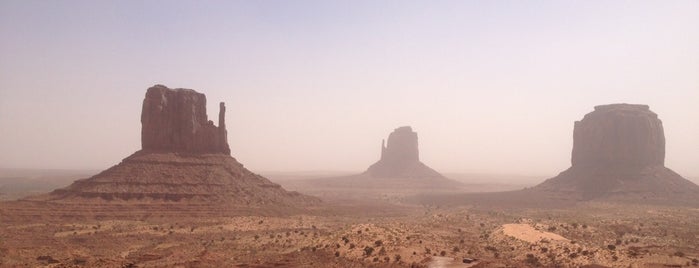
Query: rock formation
[[399, 171], [175, 120], [619, 153], [400, 158], [185, 157], [619, 135]]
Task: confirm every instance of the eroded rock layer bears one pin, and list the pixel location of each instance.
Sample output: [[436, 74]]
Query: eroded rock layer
[[173, 177]]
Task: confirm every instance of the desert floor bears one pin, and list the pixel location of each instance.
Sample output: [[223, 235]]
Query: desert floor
[[348, 230]]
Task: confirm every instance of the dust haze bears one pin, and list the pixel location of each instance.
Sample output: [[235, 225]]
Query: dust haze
[[349, 134]]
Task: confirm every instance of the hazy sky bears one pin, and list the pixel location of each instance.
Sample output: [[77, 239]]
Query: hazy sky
[[490, 86]]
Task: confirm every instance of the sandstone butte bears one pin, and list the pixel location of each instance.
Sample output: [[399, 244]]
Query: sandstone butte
[[400, 158], [619, 153], [184, 158]]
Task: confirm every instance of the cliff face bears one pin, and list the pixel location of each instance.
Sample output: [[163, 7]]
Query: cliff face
[[400, 157], [619, 153], [619, 135], [402, 146], [175, 120]]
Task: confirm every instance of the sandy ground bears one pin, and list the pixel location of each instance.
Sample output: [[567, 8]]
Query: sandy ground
[[527, 233]]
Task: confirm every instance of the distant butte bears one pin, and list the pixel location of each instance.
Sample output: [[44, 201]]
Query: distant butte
[[400, 158], [619, 153], [184, 157], [399, 170]]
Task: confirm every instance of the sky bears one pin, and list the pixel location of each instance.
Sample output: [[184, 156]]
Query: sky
[[490, 86]]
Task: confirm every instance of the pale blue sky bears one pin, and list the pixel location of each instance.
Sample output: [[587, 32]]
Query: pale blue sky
[[490, 86]]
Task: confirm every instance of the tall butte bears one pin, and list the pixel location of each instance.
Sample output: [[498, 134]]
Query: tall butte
[[400, 158], [184, 158], [619, 153]]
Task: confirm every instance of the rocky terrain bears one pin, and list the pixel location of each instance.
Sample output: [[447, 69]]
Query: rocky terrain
[[350, 234]]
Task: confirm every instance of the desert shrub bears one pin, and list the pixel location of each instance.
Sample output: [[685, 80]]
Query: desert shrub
[[397, 257], [387, 259], [544, 250], [345, 239], [261, 222], [491, 248], [337, 254], [633, 253], [443, 253], [351, 246], [376, 259], [620, 229], [532, 260], [618, 242], [257, 237], [368, 250], [611, 247], [378, 243], [382, 251], [455, 249], [552, 229], [573, 255], [575, 225], [428, 251], [679, 254]]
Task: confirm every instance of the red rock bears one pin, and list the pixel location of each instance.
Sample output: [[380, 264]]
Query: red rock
[[175, 120]]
